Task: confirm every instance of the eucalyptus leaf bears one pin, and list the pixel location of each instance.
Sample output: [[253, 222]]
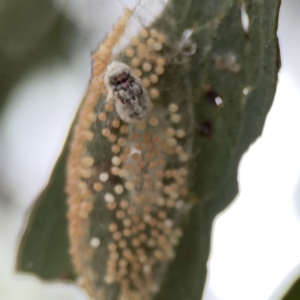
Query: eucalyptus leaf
[[294, 291], [39, 35], [232, 79], [44, 246]]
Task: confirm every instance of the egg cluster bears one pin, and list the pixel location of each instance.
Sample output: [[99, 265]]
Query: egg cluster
[[127, 183]]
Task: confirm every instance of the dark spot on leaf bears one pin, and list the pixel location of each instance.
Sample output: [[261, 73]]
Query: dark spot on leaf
[[65, 276], [211, 95], [188, 254], [205, 129]]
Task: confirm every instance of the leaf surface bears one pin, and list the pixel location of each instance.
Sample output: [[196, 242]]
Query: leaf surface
[[232, 80], [44, 246]]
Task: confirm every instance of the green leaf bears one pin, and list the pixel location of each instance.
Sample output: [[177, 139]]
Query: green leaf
[[39, 35], [233, 65], [44, 246], [294, 292]]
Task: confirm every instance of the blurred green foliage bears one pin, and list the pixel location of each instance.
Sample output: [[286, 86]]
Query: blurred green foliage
[[32, 32]]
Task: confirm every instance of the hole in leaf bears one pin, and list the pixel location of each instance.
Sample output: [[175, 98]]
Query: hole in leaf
[[246, 91], [244, 18], [214, 97]]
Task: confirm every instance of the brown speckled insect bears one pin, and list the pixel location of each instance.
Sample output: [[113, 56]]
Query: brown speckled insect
[[125, 90]]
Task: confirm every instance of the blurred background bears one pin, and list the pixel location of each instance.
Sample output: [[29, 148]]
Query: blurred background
[[45, 48]]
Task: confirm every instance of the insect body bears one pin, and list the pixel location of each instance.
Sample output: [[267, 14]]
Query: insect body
[[126, 92]]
